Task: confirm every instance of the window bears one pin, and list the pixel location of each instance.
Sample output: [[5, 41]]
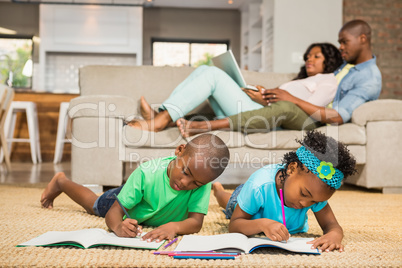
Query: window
[[185, 52], [16, 61]]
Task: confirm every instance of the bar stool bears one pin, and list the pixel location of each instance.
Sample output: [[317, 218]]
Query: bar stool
[[29, 108], [61, 132]]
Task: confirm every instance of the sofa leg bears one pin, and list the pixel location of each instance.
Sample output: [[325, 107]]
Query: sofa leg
[[392, 190]]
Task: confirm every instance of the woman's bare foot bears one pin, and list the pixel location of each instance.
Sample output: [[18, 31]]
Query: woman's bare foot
[[52, 190], [190, 128], [161, 121], [140, 124], [146, 110]]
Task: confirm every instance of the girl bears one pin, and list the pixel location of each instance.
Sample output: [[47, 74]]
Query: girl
[[308, 178], [315, 83]]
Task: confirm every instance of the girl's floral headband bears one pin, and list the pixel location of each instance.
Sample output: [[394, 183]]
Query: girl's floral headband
[[324, 170]]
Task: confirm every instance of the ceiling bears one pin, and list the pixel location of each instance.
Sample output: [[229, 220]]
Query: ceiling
[[213, 4]]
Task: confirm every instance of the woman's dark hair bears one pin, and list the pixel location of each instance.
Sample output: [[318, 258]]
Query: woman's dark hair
[[324, 148], [333, 59]]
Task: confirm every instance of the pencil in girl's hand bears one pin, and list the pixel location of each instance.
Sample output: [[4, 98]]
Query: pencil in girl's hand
[[283, 207]]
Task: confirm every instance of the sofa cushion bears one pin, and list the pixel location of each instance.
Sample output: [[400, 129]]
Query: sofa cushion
[[267, 80], [378, 110], [101, 106], [232, 139], [171, 138], [349, 134]]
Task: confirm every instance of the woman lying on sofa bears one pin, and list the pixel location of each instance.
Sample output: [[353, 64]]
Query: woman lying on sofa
[[315, 84]]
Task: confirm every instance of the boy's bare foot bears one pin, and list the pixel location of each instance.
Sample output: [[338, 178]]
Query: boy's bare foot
[[146, 110], [190, 128], [52, 190]]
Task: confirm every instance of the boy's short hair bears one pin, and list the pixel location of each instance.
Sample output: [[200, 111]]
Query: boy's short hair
[[214, 150]]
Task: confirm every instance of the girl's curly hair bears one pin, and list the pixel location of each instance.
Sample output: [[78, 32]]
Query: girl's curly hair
[[333, 59], [324, 148]]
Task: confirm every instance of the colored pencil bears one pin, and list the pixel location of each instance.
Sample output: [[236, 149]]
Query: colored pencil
[[170, 252], [283, 207], [203, 254], [171, 242], [121, 205], [206, 257]]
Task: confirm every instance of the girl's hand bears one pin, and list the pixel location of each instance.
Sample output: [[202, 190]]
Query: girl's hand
[[256, 96], [328, 242], [275, 231], [166, 231], [128, 228], [276, 94]]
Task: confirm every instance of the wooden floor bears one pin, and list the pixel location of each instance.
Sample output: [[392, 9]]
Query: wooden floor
[[26, 172]]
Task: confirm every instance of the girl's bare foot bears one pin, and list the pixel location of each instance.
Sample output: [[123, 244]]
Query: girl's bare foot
[[52, 190], [216, 187], [220, 194], [146, 110], [190, 128]]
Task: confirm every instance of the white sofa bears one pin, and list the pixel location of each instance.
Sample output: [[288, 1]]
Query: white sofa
[[102, 146]]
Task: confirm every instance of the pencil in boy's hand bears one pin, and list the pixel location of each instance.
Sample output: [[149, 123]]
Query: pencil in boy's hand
[[124, 210]]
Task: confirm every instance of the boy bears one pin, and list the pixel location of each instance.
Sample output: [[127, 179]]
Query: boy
[[171, 193]]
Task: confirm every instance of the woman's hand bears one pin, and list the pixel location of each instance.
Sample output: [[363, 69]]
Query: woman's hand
[[166, 231], [256, 96], [277, 94], [328, 242]]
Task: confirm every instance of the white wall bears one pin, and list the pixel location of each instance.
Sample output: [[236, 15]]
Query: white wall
[[297, 24], [195, 24], [85, 29]]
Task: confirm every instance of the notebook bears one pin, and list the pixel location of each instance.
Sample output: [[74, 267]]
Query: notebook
[[88, 238], [236, 242], [228, 64]]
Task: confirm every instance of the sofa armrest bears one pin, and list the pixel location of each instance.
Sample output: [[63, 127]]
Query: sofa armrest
[[378, 110], [102, 106]]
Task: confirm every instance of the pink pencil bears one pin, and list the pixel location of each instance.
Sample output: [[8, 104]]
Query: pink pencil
[[283, 207]]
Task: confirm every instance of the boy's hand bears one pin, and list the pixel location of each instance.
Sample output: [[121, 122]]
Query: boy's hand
[[328, 242], [275, 231], [163, 232], [128, 228]]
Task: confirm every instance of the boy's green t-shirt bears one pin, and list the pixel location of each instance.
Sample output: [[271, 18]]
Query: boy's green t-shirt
[[151, 201]]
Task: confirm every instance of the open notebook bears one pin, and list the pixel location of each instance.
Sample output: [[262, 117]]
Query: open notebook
[[89, 238], [227, 63], [235, 242]]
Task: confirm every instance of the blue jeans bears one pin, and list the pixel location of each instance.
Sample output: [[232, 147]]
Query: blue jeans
[[232, 203], [208, 82], [105, 201]]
